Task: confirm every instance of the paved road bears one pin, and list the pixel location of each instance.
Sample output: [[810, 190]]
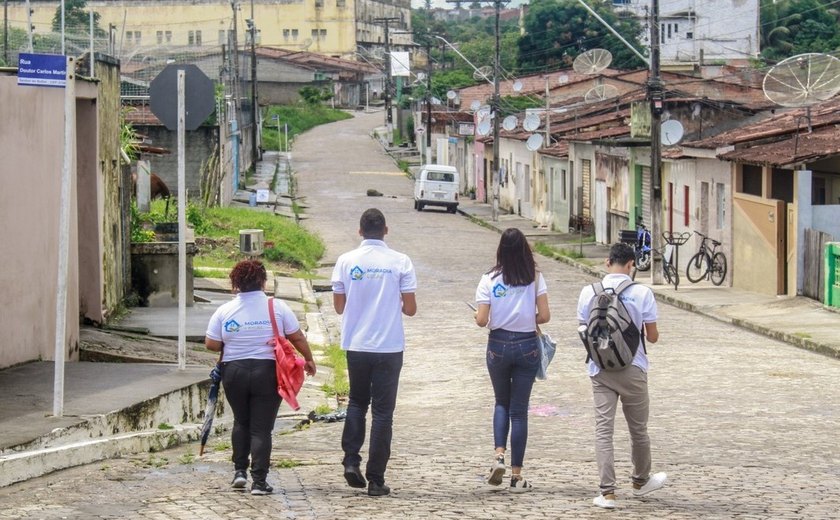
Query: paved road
[[745, 427]]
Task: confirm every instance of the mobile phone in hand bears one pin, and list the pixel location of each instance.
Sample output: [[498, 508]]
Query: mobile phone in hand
[[471, 306]]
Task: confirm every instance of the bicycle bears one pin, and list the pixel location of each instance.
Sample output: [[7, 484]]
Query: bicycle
[[670, 273], [708, 262]]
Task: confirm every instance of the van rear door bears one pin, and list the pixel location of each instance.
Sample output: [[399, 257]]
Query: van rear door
[[441, 186]]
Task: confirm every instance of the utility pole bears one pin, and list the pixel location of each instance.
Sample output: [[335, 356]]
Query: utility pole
[[655, 97], [389, 117], [252, 25], [428, 101], [497, 177], [6, 32]]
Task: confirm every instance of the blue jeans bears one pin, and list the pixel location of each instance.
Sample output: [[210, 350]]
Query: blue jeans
[[374, 378], [512, 360]]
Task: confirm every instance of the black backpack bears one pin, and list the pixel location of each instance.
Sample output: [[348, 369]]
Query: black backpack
[[611, 338]]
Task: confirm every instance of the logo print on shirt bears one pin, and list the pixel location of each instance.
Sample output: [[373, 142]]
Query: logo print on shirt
[[499, 290], [356, 273], [232, 326]]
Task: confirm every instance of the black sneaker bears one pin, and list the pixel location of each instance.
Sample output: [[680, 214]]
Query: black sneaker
[[240, 480], [261, 488], [378, 490], [518, 484], [353, 476]]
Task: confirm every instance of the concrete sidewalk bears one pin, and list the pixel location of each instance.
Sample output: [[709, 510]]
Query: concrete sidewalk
[[799, 321]]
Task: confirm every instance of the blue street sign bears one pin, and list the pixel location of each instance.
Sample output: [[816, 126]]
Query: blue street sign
[[42, 70]]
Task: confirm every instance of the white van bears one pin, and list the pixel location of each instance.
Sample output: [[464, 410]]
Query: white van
[[436, 185]]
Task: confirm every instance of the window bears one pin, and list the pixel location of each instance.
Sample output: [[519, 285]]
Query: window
[[676, 28], [440, 176], [319, 4], [340, 3], [751, 180], [782, 185], [322, 33], [133, 37], [286, 34], [686, 207], [222, 37], [720, 197], [191, 38], [314, 34], [563, 181], [669, 31], [689, 35], [159, 37], [198, 37], [294, 34]]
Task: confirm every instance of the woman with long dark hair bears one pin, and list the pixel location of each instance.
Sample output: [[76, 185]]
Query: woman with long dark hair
[[241, 329], [512, 300]]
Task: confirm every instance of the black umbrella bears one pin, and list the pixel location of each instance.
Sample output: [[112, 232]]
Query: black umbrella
[[210, 410]]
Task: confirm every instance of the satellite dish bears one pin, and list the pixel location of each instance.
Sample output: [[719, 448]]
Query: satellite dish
[[436, 101], [483, 112], [600, 93], [378, 53], [534, 142], [531, 123], [451, 94], [483, 73], [509, 123], [517, 86], [306, 43], [563, 79], [421, 76], [671, 132], [483, 127], [475, 105], [592, 61], [802, 80]]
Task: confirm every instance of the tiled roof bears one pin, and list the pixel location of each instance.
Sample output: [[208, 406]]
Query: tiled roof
[[798, 148]]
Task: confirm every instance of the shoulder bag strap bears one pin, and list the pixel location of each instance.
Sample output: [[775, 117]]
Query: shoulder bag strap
[[273, 319]]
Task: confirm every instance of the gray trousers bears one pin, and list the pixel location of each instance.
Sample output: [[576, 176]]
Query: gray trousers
[[630, 385]]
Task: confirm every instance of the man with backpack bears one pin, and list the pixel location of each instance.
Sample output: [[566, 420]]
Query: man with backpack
[[617, 317]]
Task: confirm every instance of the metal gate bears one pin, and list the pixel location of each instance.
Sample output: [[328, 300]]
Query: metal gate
[[586, 177]]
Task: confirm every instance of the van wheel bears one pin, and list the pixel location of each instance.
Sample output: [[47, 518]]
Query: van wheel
[[452, 209], [415, 205], [419, 206]]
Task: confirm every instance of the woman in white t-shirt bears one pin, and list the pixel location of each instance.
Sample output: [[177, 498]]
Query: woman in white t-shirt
[[512, 301], [241, 329]]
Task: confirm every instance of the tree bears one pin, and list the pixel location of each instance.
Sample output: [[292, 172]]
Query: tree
[[796, 27], [557, 30], [17, 41], [76, 19]]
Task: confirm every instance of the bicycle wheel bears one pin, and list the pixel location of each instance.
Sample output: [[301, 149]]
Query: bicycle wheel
[[671, 275], [697, 267], [643, 260], [718, 268]]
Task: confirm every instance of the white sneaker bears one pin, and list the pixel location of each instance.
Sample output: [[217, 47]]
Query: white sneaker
[[605, 501], [656, 481], [497, 471], [518, 484]]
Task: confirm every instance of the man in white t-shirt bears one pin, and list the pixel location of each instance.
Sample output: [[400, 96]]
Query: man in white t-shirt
[[373, 286], [628, 384]]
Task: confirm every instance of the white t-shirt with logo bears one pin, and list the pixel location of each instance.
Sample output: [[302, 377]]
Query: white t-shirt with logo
[[640, 304], [372, 277], [512, 308], [244, 326]]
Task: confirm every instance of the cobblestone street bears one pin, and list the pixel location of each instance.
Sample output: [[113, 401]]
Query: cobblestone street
[[744, 426]]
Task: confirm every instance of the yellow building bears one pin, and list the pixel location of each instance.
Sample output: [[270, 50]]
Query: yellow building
[[337, 28]]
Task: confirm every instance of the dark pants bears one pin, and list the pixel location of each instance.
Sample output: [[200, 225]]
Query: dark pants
[[374, 378], [512, 360], [251, 389]]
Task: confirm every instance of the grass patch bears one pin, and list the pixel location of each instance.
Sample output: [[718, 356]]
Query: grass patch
[[300, 118], [219, 246], [187, 458], [336, 359], [323, 409], [221, 446], [803, 335], [287, 463], [552, 252], [165, 426], [210, 273]]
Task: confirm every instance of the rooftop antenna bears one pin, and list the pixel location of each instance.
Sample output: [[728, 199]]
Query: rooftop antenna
[[803, 80], [592, 61]]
